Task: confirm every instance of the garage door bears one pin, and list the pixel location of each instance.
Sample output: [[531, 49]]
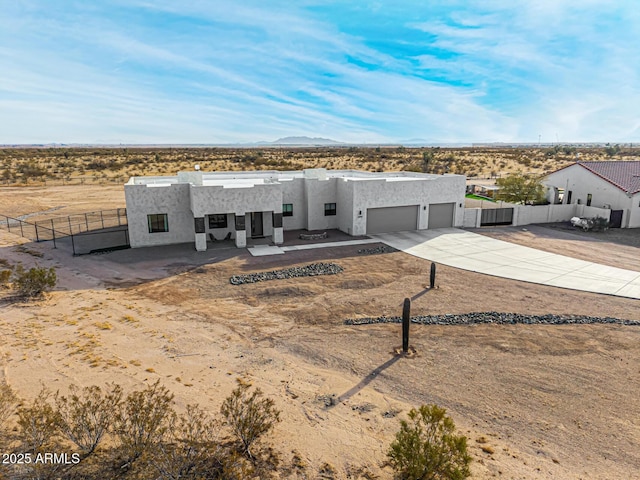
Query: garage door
[[392, 219], [441, 215]]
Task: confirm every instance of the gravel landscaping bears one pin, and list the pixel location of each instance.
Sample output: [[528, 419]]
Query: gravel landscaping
[[493, 317], [311, 270], [377, 250]]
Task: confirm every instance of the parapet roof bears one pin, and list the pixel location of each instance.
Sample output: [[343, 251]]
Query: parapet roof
[[248, 179]]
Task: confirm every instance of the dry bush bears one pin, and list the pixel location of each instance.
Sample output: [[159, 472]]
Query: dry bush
[[191, 448], [249, 416], [8, 403], [141, 422], [38, 425], [85, 416], [34, 282]]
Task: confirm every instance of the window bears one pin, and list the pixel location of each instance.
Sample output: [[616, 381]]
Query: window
[[329, 209], [589, 199], [287, 209], [218, 220], [158, 222], [569, 196]]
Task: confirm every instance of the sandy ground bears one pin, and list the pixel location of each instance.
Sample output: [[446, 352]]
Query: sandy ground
[[543, 402], [49, 202]]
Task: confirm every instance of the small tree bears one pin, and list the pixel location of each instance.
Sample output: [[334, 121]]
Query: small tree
[[249, 416], [426, 447], [35, 281], [519, 188]]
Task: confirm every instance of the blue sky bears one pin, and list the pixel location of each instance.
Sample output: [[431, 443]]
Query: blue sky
[[218, 71]]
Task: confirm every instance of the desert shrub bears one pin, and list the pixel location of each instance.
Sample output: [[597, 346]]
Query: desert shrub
[[600, 224], [8, 403], [191, 448], [141, 422], [38, 424], [426, 447], [35, 281], [85, 416], [5, 276], [249, 416]]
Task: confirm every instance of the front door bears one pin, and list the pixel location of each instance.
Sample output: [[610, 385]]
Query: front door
[[256, 224]]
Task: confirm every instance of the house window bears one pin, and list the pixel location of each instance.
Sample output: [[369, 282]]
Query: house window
[[158, 222], [569, 196], [329, 209], [218, 220], [287, 209], [589, 199]]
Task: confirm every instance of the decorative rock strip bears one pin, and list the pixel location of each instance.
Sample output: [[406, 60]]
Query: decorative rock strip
[[493, 317], [311, 270], [377, 250]]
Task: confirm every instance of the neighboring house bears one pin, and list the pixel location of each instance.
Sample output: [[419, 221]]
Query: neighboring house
[[613, 185], [197, 206]]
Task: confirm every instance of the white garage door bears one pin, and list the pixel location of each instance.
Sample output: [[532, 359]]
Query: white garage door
[[441, 215], [392, 219]]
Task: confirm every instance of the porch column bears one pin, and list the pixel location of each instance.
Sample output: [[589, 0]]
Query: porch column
[[278, 235], [241, 232], [201, 236]]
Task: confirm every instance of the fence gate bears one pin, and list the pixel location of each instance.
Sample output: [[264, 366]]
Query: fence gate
[[615, 220], [496, 216]]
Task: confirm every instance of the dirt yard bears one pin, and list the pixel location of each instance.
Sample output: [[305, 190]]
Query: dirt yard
[[536, 402]]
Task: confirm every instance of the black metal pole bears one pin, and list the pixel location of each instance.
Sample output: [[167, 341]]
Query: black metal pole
[[432, 276], [53, 232], [406, 321]]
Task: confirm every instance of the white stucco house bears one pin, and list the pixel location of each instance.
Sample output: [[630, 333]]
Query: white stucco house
[[614, 185], [199, 207]]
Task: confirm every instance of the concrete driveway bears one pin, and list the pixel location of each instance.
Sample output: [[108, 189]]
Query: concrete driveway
[[477, 253]]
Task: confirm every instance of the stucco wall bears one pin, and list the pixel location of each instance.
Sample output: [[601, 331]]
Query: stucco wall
[[317, 193], [216, 199], [293, 192], [379, 193], [581, 182], [634, 217], [172, 200], [346, 213]]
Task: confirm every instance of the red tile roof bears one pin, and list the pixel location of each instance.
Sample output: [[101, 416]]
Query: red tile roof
[[624, 175]]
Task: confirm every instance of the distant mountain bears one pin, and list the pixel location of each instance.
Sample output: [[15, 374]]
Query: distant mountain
[[305, 141]]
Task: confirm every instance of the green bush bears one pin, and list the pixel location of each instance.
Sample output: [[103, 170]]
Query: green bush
[[249, 416], [426, 447], [35, 281]]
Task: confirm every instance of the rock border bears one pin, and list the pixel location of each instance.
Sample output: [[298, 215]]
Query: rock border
[[311, 270], [377, 250], [476, 318]]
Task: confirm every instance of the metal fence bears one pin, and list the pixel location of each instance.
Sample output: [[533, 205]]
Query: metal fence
[[29, 230], [85, 222], [496, 216], [75, 226]]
